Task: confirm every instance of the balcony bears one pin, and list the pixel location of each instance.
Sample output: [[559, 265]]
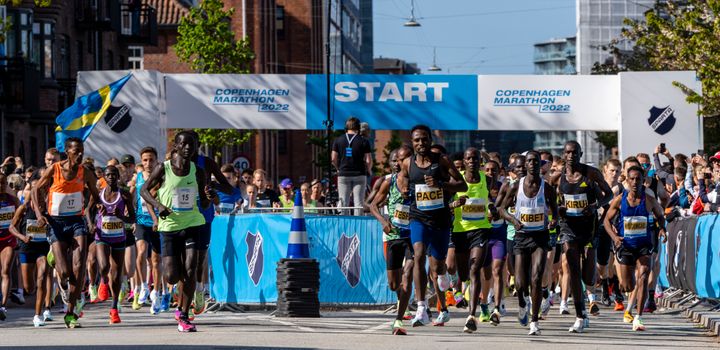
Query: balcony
[[101, 15], [19, 85], [139, 25], [549, 56]]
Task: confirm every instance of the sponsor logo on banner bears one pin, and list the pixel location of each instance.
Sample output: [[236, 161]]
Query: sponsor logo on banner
[[118, 119], [662, 120], [266, 100], [547, 101], [348, 258], [254, 257]]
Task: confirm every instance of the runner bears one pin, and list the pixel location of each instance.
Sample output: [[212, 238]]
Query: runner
[[8, 241], [180, 219], [429, 178], [110, 235], [581, 191], [67, 184], [633, 237], [472, 229], [605, 265], [533, 200], [33, 263], [492, 271], [396, 236]]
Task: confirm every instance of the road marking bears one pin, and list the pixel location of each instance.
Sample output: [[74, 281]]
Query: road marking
[[377, 328], [301, 328]]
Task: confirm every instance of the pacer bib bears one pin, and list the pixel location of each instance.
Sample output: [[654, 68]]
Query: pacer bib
[[428, 198], [183, 198], [112, 227], [36, 233], [635, 226], [575, 203], [401, 217], [533, 219], [475, 209], [66, 204]]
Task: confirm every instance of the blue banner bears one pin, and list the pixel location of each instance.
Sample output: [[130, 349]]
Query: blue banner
[[245, 249], [388, 102], [707, 274]]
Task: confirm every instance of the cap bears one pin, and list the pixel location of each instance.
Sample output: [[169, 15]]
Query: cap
[[286, 183], [126, 158], [716, 156]]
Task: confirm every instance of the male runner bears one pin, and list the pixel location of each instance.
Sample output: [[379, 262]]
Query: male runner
[[494, 266], [533, 200], [67, 183], [633, 237], [396, 235], [605, 265], [429, 178], [181, 183], [581, 191]]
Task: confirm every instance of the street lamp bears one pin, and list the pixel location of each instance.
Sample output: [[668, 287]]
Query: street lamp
[[434, 67], [412, 21]]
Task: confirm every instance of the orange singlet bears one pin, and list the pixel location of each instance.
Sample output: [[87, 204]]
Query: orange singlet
[[65, 197]]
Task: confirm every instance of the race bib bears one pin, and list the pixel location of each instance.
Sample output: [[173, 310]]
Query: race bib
[[6, 215], [141, 208], [112, 227], [428, 198], [498, 223], [184, 198], [225, 208], [36, 233], [66, 204], [533, 219], [575, 203], [262, 203], [475, 209], [401, 217], [635, 226]]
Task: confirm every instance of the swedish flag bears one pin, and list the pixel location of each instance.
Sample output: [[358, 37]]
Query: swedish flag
[[80, 119]]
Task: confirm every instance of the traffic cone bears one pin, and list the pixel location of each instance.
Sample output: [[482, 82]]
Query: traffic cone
[[298, 243]]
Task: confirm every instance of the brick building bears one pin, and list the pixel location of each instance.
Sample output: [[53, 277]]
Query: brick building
[[42, 53]]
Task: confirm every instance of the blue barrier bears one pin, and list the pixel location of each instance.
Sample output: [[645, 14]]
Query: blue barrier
[[707, 274], [244, 250]]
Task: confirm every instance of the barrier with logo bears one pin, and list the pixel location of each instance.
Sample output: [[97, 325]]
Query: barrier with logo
[[244, 250], [690, 259]]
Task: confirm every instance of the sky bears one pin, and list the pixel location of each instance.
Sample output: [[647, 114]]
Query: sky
[[470, 36]]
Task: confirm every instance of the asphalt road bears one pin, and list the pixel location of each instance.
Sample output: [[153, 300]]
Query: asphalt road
[[666, 329]]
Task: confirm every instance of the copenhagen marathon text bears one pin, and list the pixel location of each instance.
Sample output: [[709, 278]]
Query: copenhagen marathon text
[[265, 99], [546, 100]]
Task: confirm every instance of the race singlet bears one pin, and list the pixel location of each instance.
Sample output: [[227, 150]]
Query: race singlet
[[575, 203], [533, 219], [401, 217], [225, 208], [112, 227], [6, 215], [66, 204], [142, 209], [634, 226], [474, 209], [428, 198], [36, 233], [183, 198]]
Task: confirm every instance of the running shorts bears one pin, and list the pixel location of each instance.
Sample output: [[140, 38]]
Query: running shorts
[[176, 242], [435, 239], [396, 252], [66, 228], [629, 256], [146, 233], [525, 241]]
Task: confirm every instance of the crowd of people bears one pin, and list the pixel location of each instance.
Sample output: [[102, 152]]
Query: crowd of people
[[546, 226]]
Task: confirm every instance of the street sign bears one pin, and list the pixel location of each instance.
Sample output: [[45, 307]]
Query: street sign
[[241, 163]]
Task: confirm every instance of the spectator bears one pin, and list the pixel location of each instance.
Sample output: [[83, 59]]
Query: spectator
[[286, 193], [113, 161], [710, 188], [16, 184], [251, 201], [29, 173], [127, 170], [52, 156], [8, 166], [308, 202], [246, 176], [19, 166], [264, 197], [351, 157], [680, 198]]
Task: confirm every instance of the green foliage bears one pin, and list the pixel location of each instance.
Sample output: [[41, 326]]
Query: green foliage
[[39, 3], [394, 142], [322, 158], [207, 41], [608, 139], [216, 139]]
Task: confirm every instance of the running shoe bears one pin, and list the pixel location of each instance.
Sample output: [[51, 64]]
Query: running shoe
[[534, 329], [458, 298], [47, 315], [185, 326], [443, 282], [545, 308], [114, 316], [442, 318], [3, 313], [484, 313], [578, 327], [199, 302], [408, 315], [130, 296], [470, 324], [123, 293], [136, 305], [80, 305], [64, 293], [628, 317], [165, 302], [462, 304], [421, 318], [637, 324], [17, 297], [650, 306], [564, 309], [154, 303], [142, 299], [71, 320], [619, 306], [495, 317], [659, 293], [398, 328], [503, 310], [449, 298], [50, 259], [605, 300], [178, 315], [523, 315], [93, 290], [594, 309], [38, 321]]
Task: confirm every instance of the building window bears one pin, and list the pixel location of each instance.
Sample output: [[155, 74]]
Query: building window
[[63, 62], [280, 22], [19, 37], [135, 57], [43, 48]]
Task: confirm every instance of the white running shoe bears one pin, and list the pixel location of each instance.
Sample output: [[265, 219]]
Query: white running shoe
[[47, 315], [586, 323], [534, 329], [64, 293], [155, 303], [442, 318], [523, 316], [444, 282], [503, 310], [143, 296], [578, 327], [564, 309], [545, 307], [38, 321], [421, 318]]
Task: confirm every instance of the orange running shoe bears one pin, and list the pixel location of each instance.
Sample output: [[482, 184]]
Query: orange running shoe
[[103, 292], [114, 316], [619, 306], [449, 298]]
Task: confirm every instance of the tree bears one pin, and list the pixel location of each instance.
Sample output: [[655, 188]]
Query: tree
[[394, 142], [207, 42], [322, 160]]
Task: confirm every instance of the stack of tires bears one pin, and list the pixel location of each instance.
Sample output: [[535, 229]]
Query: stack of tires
[[298, 284]]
